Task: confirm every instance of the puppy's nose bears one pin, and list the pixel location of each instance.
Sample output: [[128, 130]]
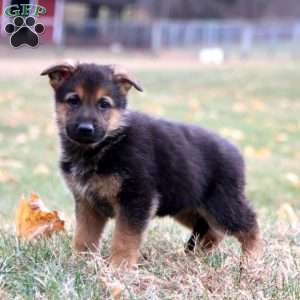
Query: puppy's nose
[[86, 129]]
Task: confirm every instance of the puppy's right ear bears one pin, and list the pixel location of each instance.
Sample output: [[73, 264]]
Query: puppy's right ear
[[59, 73]]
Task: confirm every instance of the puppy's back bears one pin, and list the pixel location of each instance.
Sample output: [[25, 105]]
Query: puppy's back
[[185, 159]]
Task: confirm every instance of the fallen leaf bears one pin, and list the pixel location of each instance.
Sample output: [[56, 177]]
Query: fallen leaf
[[115, 288], [261, 153], [239, 107], [249, 151], [33, 132], [21, 138], [6, 177], [116, 292], [281, 137], [194, 104], [236, 134], [258, 105], [10, 163], [41, 169], [293, 179], [7, 96], [157, 109], [33, 219], [287, 213], [50, 129]]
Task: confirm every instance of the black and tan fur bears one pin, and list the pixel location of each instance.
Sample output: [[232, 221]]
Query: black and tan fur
[[133, 167]]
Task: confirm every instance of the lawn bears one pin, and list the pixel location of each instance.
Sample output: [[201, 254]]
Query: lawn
[[255, 105]]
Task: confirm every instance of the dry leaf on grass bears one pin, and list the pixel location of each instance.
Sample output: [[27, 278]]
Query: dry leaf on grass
[[293, 179], [11, 163], [114, 287], [194, 104], [6, 177], [41, 169], [33, 132], [33, 219], [288, 214], [116, 290], [239, 107], [258, 105], [50, 129], [21, 138], [262, 153], [281, 137], [233, 133]]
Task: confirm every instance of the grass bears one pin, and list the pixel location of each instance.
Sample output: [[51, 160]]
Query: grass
[[256, 105]]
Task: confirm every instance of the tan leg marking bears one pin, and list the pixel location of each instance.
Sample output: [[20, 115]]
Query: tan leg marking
[[211, 240], [89, 226], [125, 245], [251, 242]]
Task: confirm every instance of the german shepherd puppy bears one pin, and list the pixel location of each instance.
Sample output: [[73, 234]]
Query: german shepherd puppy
[[128, 165]]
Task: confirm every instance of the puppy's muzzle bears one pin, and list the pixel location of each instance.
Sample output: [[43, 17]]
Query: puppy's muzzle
[[85, 133]]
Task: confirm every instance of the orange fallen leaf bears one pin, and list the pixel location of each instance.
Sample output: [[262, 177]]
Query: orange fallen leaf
[[115, 288], [261, 153], [194, 104], [258, 104], [33, 219], [6, 177]]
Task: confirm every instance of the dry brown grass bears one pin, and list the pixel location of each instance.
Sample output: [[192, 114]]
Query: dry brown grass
[[51, 270]]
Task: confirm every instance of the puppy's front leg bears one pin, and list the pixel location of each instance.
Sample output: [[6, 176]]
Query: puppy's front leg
[[89, 226], [127, 238]]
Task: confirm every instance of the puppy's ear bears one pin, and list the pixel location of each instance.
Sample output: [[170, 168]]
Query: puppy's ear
[[59, 73], [126, 81]]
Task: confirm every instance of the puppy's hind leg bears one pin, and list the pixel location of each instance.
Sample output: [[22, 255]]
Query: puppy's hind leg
[[235, 216], [202, 234], [200, 230]]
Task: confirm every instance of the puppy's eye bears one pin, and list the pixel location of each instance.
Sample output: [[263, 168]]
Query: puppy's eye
[[104, 104], [74, 100]]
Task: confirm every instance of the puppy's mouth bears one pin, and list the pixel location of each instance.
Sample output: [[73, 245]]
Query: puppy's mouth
[[84, 140]]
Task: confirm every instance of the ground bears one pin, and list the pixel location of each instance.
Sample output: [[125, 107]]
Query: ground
[[254, 104]]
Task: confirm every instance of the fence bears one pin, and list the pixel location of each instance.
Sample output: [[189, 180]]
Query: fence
[[163, 34]]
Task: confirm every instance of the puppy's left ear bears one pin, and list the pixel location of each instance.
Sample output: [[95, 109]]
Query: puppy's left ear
[[126, 80], [59, 73]]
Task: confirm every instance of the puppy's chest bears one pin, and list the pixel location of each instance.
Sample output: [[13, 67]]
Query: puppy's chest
[[100, 190]]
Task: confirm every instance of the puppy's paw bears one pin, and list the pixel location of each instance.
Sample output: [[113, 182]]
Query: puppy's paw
[[253, 257], [123, 262]]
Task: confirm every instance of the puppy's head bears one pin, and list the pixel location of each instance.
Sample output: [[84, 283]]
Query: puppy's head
[[90, 100]]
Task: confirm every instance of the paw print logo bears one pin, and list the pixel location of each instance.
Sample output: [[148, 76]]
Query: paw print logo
[[24, 31]]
